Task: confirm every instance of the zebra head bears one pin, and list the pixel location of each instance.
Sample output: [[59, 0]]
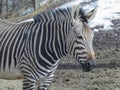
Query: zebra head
[[81, 47]]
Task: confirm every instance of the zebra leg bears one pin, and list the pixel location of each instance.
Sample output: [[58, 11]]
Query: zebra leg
[[46, 81], [29, 80], [28, 84]]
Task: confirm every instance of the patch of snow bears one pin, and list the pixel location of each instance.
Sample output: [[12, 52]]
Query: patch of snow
[[72, 3], [108, 10], [43, 2], [29, 10]]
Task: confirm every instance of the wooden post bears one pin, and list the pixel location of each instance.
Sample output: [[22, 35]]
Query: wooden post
[[4, 11], [36, 4]]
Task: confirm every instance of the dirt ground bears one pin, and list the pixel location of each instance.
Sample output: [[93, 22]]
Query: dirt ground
[[70, 76]]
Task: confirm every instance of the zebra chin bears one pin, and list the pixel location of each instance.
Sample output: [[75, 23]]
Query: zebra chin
[[88, 66]]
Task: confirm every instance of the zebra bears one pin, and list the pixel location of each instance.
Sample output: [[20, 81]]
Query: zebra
[[32, 50]]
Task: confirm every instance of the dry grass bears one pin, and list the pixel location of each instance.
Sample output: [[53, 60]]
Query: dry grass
[[47, 6]]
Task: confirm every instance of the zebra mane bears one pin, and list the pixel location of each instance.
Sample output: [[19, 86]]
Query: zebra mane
[[53, 15], [60, 13]]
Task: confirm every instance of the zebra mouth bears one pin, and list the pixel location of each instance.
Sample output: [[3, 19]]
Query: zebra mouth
[[88, 66]]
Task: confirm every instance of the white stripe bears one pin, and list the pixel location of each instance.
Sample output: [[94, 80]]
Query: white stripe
[[29, 20]]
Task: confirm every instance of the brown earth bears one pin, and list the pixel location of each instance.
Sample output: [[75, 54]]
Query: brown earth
[[70, 76]]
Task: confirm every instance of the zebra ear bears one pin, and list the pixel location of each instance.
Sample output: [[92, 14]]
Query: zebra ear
[[91, 14], [90, 9], [75, 11]]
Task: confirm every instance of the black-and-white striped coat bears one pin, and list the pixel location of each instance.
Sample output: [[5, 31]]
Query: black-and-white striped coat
[[31, 50]]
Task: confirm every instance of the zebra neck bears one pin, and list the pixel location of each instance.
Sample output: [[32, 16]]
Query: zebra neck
[[69, 41]]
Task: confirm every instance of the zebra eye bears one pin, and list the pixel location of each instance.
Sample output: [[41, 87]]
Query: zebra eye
[[72, 24], [79, 37]]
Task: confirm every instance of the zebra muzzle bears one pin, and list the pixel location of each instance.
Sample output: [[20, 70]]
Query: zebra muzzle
[[88, 66]]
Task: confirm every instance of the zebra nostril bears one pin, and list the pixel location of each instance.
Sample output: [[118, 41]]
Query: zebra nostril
[[85, 67], [88, 66], [91, 62]]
